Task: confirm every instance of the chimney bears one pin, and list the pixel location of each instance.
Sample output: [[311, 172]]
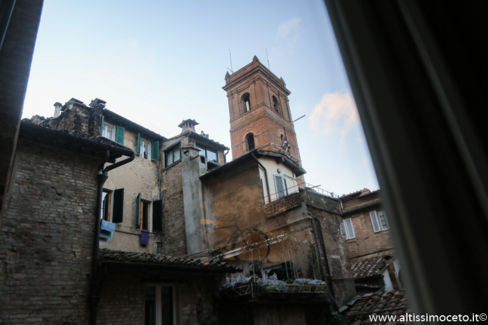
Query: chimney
[[188, 125], [57, 109], [98, 103]]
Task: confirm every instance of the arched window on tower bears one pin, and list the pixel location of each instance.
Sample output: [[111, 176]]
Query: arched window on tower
[[250, 141], [246, 101], [276, 105]]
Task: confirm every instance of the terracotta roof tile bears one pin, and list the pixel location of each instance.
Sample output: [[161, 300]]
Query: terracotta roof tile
[[384, 303], [371, 267], [122, 257]]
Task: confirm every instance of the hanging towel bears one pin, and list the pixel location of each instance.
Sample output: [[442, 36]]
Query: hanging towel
[[144, 238]]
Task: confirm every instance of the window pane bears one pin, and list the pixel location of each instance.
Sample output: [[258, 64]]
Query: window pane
[[374, 221], [383, 221], [211, 155], [177, 154]]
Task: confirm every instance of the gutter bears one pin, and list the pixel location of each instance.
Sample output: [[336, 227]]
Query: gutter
[[265, 176], [96, 280]]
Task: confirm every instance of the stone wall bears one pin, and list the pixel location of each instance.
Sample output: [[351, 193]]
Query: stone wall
[[46, 237], [77, 119], [173, 211]]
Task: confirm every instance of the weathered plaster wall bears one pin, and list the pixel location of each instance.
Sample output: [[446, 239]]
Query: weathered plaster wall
[[138, 176], [192, 201], [46, 237], [272, 166], [231, 209]]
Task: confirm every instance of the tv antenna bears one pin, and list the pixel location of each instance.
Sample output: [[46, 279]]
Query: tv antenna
[[267, 58], [230, 59]]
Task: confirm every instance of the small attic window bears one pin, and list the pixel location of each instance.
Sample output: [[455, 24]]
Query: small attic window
[[276, 105], [246, 100], [250, 141]]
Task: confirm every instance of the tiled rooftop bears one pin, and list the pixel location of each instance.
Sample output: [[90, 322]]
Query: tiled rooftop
[[370, 267], [384, 303], [121, 257]]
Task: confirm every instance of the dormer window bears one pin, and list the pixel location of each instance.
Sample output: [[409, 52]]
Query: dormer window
[[250, 141], [246, 100], [276, 105]]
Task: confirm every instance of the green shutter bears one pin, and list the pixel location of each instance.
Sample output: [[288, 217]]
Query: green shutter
[[138, 149], [158, 215], [119, 134], [138, 211], [155, 150], [101, 130], [118, 210]]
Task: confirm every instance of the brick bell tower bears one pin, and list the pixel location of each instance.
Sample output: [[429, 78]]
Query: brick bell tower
[[259, 112]]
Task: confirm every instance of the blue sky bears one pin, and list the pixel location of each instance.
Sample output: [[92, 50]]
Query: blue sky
[[159, 62]]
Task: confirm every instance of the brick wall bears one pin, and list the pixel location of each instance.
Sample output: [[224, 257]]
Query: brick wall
[[122, 299], [367, 243], [46, 237]]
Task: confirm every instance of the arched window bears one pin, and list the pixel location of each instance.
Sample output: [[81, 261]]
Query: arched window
[[246, 101], [276, 105], [250, 141]]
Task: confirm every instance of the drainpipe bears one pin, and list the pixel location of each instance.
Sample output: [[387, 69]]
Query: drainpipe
[[265, 176], [95, 279], [225, 155]]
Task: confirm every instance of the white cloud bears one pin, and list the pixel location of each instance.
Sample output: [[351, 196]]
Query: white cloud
[[289, 28], [336, 113]]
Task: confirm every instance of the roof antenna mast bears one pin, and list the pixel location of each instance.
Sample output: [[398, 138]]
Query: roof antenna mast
[[230, 59], [267, 58]]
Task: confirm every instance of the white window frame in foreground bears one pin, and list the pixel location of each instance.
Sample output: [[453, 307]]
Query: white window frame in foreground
[[379, 221], [280, 179], [145, 149], [106, 128], [348, 228]]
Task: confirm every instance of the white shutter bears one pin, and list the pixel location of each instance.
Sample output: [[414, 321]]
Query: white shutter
[[374, 221], [348, 228], [383, 221]]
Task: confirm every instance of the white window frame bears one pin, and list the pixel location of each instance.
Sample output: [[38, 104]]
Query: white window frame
[[379, 222], [280, 179], [158, 301], [106, 127], [348, 228], [143, 151]]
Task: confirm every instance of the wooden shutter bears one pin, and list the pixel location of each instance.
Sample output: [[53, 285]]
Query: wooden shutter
[[138, 211], [118, 211], [157, 215], [374, 221], [155, 150], [138, 148], [119, 134]]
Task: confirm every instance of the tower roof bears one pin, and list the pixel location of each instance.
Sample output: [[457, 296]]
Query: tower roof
[[254, 67]]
